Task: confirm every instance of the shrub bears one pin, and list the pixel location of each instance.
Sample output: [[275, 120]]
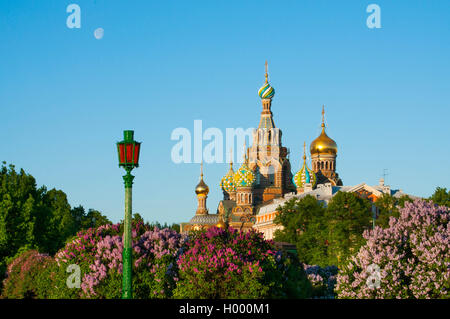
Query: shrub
[[27, 276], [98, 252], [222, 263], [412, 255]]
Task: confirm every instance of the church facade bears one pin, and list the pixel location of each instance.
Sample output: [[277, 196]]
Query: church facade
[[265, 180]]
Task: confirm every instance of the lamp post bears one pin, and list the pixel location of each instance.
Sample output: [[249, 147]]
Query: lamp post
[[128, 152]]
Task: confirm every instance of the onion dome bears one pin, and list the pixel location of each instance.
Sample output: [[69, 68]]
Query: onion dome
[[305, 175], [244, 176], [266, 91], [201, 188], [323, 144], [227, 182]]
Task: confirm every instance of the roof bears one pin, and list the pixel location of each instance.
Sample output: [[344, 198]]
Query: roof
[[324, 192], [209, 219]]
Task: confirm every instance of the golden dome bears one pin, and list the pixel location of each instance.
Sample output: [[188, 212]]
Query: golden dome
[[323, 144], [201, 188]]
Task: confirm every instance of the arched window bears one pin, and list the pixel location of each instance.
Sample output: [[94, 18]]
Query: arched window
[[258, 176], [271, 175]]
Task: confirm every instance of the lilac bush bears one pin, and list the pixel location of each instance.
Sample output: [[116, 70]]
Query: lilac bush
[[410, 258], [323, 280], [27, 276], [99, 254], [221, 263]]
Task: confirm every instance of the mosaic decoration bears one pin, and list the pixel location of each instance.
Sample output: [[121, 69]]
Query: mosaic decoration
[[305, 175], [227, 183], [244, 176]]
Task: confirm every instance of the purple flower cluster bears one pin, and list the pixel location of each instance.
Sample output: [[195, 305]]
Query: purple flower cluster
[[22, 275], [412, 256], [217, 260], [99, 254], [323, 280], [83, 247]]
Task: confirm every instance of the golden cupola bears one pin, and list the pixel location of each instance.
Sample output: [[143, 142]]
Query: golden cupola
[[201, 188], [323, 144]]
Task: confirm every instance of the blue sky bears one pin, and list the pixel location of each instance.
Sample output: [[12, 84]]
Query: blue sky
[[66, 97]]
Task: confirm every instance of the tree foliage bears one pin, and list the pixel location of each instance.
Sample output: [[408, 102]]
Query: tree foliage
[[36, 218], [346, 217], [303, 221], [441, 196], [324, 236], [389, 206]]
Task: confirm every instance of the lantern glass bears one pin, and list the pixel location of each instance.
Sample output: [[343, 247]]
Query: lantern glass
[[128, 151]]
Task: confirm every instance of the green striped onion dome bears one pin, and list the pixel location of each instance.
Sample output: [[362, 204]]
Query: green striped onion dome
[[227, 182], [266, 91], [244, 176], [305, 175]]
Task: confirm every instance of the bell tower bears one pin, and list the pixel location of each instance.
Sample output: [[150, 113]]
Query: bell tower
[[267, 156]]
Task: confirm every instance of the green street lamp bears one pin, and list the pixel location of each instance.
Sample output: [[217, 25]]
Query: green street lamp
[[128, 152]]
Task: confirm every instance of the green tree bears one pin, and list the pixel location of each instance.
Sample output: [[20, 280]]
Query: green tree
[[388, 206], [441, 196], [34, 218], [94, 219], [302, 221], [346, 217]]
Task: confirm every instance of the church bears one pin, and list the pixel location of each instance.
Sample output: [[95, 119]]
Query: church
[[264, 181]]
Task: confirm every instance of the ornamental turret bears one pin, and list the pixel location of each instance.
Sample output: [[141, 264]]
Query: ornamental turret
[[323, 157], [244, 179], [305, 179], [202, 191]]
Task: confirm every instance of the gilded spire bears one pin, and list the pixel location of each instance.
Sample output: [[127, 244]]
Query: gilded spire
[[201, 170], [304, 152], [231, 158], [245, 153], [323, 116], [267, 74]]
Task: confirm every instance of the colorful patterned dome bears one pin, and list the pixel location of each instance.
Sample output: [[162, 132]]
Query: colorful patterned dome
[[227, 182], [266, 91], [305, 175], [244, 176]]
